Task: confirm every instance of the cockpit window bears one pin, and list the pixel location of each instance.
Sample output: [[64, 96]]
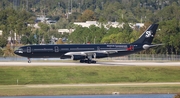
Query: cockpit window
[[20, 49]]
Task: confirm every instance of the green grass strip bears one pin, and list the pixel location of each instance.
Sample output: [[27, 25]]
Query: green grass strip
[[87, 74]]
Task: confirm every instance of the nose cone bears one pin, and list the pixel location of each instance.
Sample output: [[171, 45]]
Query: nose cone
[[16, 52]]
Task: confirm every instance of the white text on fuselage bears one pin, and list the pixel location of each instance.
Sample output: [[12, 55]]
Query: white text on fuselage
[[117, 46]]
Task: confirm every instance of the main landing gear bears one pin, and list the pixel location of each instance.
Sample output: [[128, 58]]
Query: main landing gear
[[29, 61], [88, 60]]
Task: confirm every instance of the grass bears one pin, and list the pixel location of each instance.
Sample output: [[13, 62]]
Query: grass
[[33, 75], [87, 74]]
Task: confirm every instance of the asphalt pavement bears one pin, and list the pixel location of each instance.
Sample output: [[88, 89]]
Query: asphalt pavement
[[101, 63]]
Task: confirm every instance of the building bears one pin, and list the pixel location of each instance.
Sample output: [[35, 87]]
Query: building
[[87, 23], [62, 31], [45, 20], [106, 25], [139, 25]]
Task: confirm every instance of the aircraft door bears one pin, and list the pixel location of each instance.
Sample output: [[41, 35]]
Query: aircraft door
[[56, 49], [28, 49], [98, 48]]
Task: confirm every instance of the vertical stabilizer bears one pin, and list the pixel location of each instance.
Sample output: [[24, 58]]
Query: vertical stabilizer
[[148, 35]]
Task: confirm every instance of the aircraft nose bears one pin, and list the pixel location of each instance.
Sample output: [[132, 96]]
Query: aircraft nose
[[15, 52], [18, 52]]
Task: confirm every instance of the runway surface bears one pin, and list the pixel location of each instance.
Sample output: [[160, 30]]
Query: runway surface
[[112, 63], [103, 84]]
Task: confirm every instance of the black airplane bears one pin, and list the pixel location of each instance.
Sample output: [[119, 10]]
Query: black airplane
[[85, 52]]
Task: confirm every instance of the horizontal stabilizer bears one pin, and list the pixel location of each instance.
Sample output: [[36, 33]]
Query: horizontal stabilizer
[[150, 46]]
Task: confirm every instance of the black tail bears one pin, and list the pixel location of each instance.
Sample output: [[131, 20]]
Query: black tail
[[148, 35]]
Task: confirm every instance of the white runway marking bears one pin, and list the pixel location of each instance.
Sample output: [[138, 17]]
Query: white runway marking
[[112, 63]]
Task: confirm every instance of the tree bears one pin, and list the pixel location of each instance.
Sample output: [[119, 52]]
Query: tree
[[8, 51], [46, 38], [169, 31], [88, 15], [36, 36], [167, 13], [74, 37], [44, 27], [32, 39], [1, 52], [3, 41], [110, 39], [116, 38], [134, 36], [24, 40], [59, 41], [92, 34]]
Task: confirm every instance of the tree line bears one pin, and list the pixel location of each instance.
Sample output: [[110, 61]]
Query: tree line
[[17, 18]]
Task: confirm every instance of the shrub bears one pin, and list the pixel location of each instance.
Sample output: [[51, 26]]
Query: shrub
[[177, 96]]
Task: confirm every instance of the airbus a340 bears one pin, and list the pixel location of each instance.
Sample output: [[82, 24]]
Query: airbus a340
[[86, 52]]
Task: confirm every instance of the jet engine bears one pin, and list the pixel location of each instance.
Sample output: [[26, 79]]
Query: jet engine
[[99, 55], [77, 57]]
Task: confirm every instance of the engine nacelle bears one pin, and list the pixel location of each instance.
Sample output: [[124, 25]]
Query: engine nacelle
[[77, 57], [99, 55]]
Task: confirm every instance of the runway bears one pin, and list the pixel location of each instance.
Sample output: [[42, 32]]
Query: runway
[[103, 84], [101, 63]]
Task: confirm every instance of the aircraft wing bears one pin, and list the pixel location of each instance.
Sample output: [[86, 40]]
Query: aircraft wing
[[92, 52]]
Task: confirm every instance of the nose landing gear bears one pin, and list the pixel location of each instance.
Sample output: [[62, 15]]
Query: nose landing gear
[[29, 61]]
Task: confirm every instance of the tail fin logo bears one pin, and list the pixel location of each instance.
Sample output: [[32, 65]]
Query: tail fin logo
[[148, 34]]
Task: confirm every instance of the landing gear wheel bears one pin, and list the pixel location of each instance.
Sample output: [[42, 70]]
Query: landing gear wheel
[[89, 61], [29, 61], [93, 61], [82, 61]]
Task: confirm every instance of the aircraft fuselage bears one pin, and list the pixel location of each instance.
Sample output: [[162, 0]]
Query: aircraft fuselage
[[58, 51]]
